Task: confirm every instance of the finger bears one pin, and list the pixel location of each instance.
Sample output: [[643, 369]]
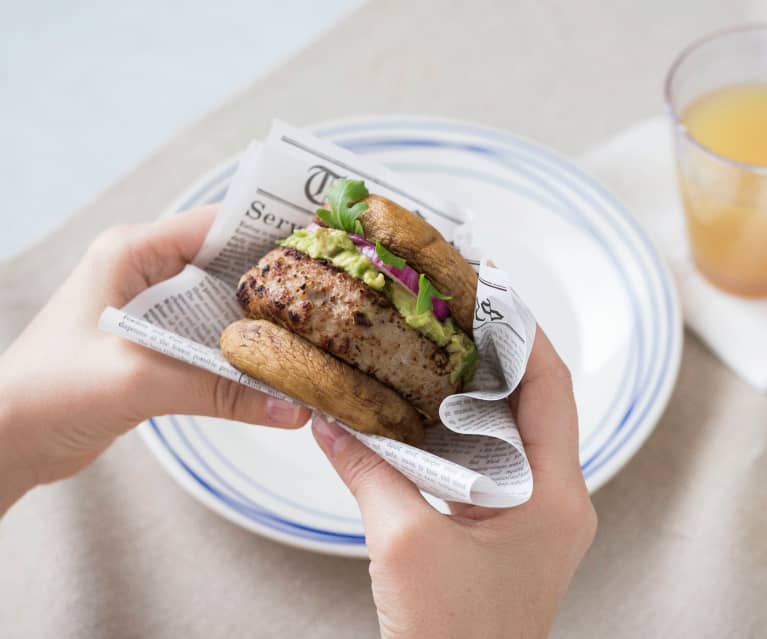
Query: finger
[[545, 407], [387, 499], [124, 260], [470, 511], [178, 388], [167, 245]]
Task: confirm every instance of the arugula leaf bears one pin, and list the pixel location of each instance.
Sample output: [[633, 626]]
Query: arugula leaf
[[426, 291], [343, 213], [387, 257]]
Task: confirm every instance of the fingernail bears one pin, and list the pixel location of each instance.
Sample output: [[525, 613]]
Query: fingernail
[[282, 413], [330, 435]]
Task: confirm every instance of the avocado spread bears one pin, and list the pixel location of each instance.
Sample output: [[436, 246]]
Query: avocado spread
[[335, 246]]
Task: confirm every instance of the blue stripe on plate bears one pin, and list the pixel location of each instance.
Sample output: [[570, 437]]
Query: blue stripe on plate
[[221, 458], [259, 515]]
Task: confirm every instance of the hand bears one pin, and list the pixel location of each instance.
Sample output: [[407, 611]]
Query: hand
[[67, 389], [479, 572]]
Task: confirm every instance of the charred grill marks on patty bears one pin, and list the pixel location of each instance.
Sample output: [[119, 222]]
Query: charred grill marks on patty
[[350, 320]]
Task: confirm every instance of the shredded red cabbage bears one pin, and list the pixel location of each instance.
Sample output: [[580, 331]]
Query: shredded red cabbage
[[406, 276], [440, 309]]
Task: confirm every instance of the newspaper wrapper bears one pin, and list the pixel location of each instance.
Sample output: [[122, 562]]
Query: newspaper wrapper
[[475, 455]]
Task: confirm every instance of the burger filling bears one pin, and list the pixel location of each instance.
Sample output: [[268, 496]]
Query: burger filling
[[337, 246]]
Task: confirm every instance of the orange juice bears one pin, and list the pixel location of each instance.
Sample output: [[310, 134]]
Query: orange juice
[[726, 201]]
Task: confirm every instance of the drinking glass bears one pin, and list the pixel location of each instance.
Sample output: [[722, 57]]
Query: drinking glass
[[725, 197]]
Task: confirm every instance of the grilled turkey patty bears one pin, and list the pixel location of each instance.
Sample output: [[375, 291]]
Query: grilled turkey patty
[[345, 317]]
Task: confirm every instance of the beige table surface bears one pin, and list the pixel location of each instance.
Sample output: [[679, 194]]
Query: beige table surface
[[121, 551]]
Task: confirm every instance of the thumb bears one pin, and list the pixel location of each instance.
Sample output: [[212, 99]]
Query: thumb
[[387, 499], [177, 387]]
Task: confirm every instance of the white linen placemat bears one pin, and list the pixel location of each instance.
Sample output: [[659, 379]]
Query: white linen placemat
[[637, 166]]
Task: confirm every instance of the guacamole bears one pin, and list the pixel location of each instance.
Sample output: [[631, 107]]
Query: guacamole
[[335, 246], [461, 349]]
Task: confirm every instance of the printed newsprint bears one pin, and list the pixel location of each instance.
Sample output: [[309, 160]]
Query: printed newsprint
[[475, 455]]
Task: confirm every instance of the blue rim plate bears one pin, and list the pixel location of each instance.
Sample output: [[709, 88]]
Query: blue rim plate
[[593, 279]]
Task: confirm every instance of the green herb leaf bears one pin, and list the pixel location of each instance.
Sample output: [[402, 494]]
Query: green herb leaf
[[387, 257], [469, 365], [426, 291], [344, 197]]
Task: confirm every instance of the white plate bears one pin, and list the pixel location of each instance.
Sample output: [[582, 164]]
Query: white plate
[[593, 280]]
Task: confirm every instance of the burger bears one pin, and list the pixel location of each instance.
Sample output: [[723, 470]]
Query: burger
[[366, 315]]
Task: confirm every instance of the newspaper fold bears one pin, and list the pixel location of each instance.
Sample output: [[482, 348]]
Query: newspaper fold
[[475, 455]]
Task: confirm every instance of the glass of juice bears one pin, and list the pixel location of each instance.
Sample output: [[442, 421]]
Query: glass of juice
[[716, 95]]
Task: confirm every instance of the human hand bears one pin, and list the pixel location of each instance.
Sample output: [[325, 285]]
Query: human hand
[[479, 572], [67, 389]]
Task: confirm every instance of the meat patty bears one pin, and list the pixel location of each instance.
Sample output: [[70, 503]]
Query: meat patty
[[350, 320]]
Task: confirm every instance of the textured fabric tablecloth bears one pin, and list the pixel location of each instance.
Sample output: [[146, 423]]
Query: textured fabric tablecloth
[[121, 551]]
